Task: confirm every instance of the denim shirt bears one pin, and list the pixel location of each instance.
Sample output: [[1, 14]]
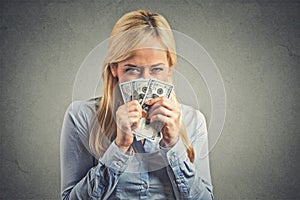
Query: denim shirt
[[151, 172]]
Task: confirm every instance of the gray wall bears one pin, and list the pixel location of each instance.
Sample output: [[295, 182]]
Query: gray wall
[[254, 44]]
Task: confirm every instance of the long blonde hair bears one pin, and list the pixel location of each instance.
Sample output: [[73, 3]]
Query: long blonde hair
[[130, 32]]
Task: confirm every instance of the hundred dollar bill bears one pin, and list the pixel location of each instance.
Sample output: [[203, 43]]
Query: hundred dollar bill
[[126, 91], [139, 89]]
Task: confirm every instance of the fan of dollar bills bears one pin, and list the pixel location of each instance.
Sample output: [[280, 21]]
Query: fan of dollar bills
[[144, 90]]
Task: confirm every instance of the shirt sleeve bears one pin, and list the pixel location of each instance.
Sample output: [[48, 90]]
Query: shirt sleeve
[[81, 178], [191, 179]]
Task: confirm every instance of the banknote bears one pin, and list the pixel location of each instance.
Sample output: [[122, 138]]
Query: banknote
[[126, 91], [139, 89]]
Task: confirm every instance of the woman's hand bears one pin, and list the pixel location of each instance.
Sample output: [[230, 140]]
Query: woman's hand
[[166, 111], [128, 117]]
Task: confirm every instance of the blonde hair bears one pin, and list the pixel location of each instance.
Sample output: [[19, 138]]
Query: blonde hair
[[131, 32]]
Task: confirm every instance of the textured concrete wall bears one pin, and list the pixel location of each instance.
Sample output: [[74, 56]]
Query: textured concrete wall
[[254, 43]]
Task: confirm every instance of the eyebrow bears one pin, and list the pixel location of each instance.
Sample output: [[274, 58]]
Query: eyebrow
[[155, 65]]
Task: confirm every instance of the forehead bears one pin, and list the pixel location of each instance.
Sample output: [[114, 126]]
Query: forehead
[[148, 56], [150, 52]]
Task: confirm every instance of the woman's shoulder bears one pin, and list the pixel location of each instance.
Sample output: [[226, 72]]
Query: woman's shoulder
[[82, 114], [84, 107], [78, 121]]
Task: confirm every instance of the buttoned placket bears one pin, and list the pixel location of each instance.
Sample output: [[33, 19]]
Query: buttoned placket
[[139, 148]]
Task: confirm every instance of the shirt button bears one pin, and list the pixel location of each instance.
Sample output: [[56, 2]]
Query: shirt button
[[120, 163], [172, 157], [145, 185]]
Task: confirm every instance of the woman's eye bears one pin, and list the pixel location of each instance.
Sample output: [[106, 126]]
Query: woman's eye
[[157, 69], [132, 70]]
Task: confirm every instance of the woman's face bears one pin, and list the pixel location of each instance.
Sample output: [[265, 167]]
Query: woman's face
[[149, 62]]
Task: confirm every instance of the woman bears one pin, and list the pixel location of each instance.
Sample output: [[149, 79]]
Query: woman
[[101, 157]]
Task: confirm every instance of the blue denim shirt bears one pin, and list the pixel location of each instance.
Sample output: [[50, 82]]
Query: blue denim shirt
[[152, 172]]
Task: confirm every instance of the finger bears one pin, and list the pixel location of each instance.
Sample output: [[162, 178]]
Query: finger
[[125, 120], [134, 106], [165, 109], [134, 114], [160, 110], [129, 125], [133, 120], [157, 125], [126, 110], [133, 103], [162, 101], [152, 101], [161, 118]]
